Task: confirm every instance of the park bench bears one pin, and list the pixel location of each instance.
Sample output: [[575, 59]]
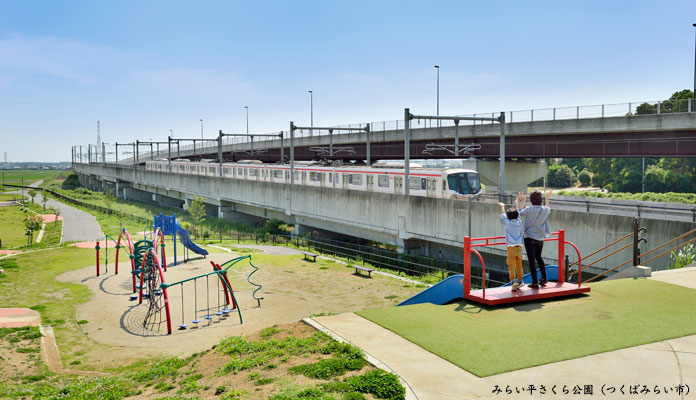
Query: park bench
[[308, 254], [361, 268]]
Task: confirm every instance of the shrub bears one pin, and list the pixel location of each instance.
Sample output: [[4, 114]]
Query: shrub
[[381, 384], [560, 175], [585, 178]]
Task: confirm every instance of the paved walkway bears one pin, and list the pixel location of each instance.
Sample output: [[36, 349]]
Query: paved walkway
[[78, 226], [665, 364]]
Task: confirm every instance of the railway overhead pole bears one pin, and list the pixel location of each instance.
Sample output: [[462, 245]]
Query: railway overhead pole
[[456, 119], [331, 130]]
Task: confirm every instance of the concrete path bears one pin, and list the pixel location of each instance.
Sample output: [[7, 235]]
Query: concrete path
[[663, 364], [77, 225]]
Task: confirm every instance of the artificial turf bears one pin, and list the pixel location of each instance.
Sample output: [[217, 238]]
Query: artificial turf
[[492, 340]]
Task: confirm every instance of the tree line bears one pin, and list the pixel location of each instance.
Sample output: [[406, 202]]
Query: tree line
[[661, 175]]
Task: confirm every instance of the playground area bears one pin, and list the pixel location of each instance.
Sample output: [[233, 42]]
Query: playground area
[[291, 289]]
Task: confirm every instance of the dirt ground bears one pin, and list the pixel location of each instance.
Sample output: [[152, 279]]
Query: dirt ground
[[292, 289], [19, 356]]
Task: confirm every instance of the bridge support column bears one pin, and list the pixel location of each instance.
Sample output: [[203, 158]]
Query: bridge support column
[[517, 174], [301, 230]]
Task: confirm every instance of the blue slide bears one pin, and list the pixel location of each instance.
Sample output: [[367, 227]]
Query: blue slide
[[452, 288], [185, 239]]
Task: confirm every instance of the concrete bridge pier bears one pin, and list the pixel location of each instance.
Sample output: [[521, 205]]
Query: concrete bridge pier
[[518, 174], [229, 211]]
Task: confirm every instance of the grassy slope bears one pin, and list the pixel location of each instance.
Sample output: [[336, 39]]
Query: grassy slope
[[33, 284], [616, 314]]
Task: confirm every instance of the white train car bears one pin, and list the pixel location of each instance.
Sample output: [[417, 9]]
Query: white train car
[[381, 177]]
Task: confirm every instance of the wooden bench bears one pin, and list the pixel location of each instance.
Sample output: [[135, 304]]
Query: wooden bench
[[308, 254], [361, 268]]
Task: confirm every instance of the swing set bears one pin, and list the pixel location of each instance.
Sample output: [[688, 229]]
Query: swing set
[[148, 266]]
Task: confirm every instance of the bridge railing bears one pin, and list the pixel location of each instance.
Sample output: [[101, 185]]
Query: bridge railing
[[514, 116]]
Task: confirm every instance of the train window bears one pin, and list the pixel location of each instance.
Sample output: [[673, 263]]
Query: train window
[[415, 183], [355, 179], [277, 173], [287, 175], [474, 183], [211, 169], [315, 176], [330, 176], [464, 183], [297, 175], [253, 172], [239, 171], [383, 180]]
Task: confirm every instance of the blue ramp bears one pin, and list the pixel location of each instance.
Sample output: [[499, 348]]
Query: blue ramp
[[452, 288], [443, 292], [185, 239]]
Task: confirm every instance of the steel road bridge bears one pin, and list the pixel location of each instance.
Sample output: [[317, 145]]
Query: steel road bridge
[[541, 136]]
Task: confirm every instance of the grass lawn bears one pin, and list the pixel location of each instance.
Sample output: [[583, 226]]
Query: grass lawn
[[12, 227], [616, 314], [16, 176], [6, 197]]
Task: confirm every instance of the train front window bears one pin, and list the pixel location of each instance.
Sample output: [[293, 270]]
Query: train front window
[[464, 183]]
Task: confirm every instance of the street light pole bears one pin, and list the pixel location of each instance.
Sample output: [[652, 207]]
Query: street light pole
[[247, 118], [694, 25], [171, 133], [437, 67], [311, 109], [201, 129]]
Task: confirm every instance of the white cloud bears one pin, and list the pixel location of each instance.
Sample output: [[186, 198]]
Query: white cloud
[[53, 57]]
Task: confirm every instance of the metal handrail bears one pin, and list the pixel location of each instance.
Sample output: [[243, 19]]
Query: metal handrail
[[669, 251], [650, 251], [603, 258]]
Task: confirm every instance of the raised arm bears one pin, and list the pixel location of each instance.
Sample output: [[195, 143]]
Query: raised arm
[[502, 208], [548, 194]]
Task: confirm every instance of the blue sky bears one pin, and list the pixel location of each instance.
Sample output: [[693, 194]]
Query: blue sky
[[145, 67]]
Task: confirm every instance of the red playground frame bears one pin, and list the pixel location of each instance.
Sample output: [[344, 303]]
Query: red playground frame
[[504, 295]]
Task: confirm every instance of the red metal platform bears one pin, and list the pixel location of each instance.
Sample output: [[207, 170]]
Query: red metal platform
[[504, 295]]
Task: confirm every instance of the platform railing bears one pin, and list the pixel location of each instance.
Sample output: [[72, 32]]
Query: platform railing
[[471, 243]]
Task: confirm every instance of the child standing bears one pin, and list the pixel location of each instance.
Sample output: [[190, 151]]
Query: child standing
[[514, 242]]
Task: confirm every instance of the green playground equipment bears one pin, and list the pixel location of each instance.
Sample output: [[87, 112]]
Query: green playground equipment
[[222, 308], [148, 265]]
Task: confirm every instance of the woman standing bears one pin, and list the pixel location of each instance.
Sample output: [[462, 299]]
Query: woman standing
[[535, 229]]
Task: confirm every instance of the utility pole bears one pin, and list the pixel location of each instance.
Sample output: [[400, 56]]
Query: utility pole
[[4, 166]]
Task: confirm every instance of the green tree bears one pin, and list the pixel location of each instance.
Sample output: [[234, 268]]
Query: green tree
[[33, 222], [197, 210], [601, 169], [109, 197], [627, 174], [655, 179], [678, 102], [32, 194], [44, 199], [585, 178], [560, 176]]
